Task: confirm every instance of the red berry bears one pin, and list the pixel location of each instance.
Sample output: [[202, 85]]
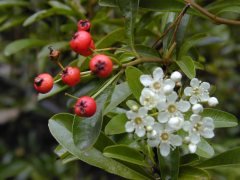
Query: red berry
[[84, 25], [85, 106], [101, 65], [43, 83], [80, 42], [71, 76], [89, 51]]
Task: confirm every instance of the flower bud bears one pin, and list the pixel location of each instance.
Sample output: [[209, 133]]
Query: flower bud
[[167, 89], [176, 76], [192, 148], [149, 128], [212, 101], [197, 108], [134, 108], [175, 123]]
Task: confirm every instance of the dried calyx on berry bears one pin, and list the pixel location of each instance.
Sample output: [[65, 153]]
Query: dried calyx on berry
[[101, 65], [53, 54], [43, 83], [71, 76], [84, 25], [85, 106]]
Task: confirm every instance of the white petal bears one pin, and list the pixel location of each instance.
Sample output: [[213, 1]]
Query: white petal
[[148, 121], [188, 91], [142, 111], [131, 115], [204, 97], [193, 99], [158, 74], [192, 148], [162, 106], [153, 142], [194, 138], [163, 117], [167, 89], [175, 123], [146, 80], [194, 82], [140, 131], [207, 133], [176, 140], [161, 98], [129, 126], [205, 85], [208, 122], [183, 106], [195, 117], [197, 108], [164, 149], [169, 82], [172, 97], [186, 125]]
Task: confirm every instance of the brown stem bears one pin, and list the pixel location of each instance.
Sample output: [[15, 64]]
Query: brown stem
[[211, 16], [60, 65], [74, 97]]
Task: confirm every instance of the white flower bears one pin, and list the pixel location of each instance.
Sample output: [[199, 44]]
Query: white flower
[[138, 121], [198, 92], [157, 83], [176, 76], [198, 126], [149, 99], [212, 101], [164, 139], [197, 108], [171, 108]]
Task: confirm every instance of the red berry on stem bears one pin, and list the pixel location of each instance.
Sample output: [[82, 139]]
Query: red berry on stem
[[85, 106], [101, 65], [43, 83], [89, 51], [81, 42], [84, 25], [71, 76]]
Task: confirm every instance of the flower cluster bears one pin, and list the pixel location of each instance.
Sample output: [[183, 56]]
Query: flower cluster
[[165, 111]]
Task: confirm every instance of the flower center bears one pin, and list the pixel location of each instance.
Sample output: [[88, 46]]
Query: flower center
[[164, 136], [172, 108], [138, 120], [157, 85], [196, 91], [198, 126]]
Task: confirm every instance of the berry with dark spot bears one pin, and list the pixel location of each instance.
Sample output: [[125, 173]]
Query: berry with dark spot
[[43, 83], [71, 76], [85, 106], [101, 65], [84, 25]]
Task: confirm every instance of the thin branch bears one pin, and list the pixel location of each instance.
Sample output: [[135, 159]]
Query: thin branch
[[211, 16], [142, 60]]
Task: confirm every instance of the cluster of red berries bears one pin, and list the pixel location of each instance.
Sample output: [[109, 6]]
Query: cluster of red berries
[[100, 65]]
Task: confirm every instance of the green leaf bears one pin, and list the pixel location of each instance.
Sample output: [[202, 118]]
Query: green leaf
[[204, 149], [120, 93], [60, 126], [169, 165], [129, 8], [59, 5], [12, 169], [125, 153], [110, 3], [103, 141], [13, 3], [229, 158], [187, 66], [147, 51], [190, 173], [188, 159], [15, 21], [221, 119], [46, 13], [116, 125], [111, 38], [87, 130], [133, 74], [21, 44], [65, 156]]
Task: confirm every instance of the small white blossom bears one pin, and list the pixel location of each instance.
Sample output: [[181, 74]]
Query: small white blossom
[[149, 99], [138, 121], [212, 101], [164, 139], [176, 76], [171, 108], [198, 92], [197, 108], [157, 83], [198, 126]]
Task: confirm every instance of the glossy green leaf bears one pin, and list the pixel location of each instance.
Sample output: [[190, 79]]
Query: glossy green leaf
[[229, 158], [12, 23], [87, 130], [129, 8], [190, 173], [221, 119], [204, 149], [169, 165], [116, 125], [13, 3], [133, 74], [120, 93], [21, 44], [65, 156], [46, 13], [60, 126], [186, 64], [188, 159], [224, 6], [125, 153], [103, 141], [146, 51], [110, 3], [57, 4], [111, 38]]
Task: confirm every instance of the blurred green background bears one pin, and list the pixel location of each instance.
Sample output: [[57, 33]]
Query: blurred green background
[[28, 27]]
